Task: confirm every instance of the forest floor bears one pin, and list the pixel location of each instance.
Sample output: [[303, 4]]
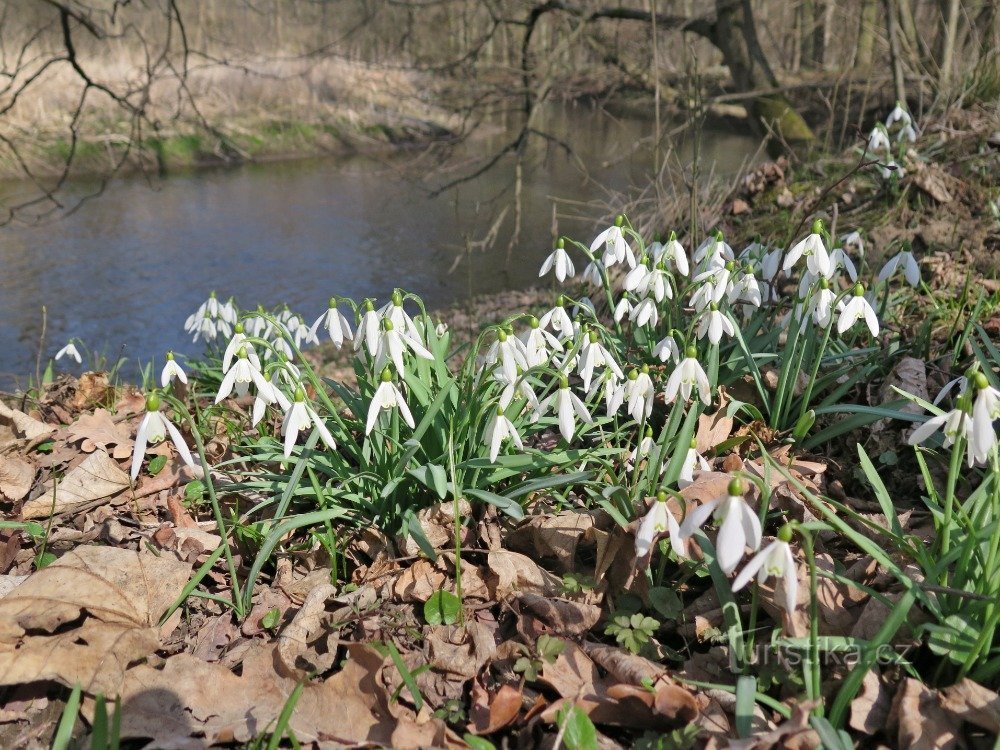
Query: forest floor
[[559, 640]]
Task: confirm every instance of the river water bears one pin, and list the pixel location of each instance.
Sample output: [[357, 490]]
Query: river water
[[124, 271]]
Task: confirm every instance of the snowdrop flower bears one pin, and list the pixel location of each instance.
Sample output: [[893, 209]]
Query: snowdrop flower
[[775, 560], [303, 334], [645, 313], [335, 324], [856, 308], [369, 329], [237, 342], [878, 140], [854, 240], [508, 351], [560, 261], [714, 285], [518, 385], [592, 274], [693, 461], [299, 417], [241, 375], [70, 351], [840, 259], [985, 410], [593, 355], [209, 307], [567, 405], [890, 168], [639, 393], [961, 381], [642, 450], [713, 252], [821, 304], [557, 319], [814, 250], [228, 311], [170, 371], [393, 342], [394, 311], [387, 396], [614, 392], [739, 526], [899, 115], [688, 375], [657, 284], [616, 248], [537, 343], [152, 429], [673, 254], [635, 279], [657, 520], [903, 259], [955, 424], [666, 348], [498, 430], [623, 308], [714, 323], [745, 288]]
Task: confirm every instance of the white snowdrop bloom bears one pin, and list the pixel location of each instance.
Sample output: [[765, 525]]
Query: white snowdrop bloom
[[890, 168], [153, 428], [337, 326], [568, 407], [821, 304], [899, 115], [714, 284], [387, 396], [739, 525], [508, 351], [675, 256], [642, 450], [237, 342], [857, 307], [594, 355], [693, 461], [854, 240], [592, 274], [954, 424], [906, 133], [639, 393], [537, 343], [774, 561], [240, 376], [657, 284], [645, 313], [70, 351], [813, 249], [393, 343], [170, 371], [279, 348], [498, 430], [560, 261], [557, 319], [666, 348], [713, 252], [228, 311], [839, 259], [985, 410], [687, 376], [963, 385], [658, 520], [616, 247], [299, 417], [635, 278], [878, 140], [369, 329], [206, 329], [303, 334], [745, 288], [511, 388], [902, 260], [714, 323], [614, 392], [585, 307], [394, 311], [623, 308]]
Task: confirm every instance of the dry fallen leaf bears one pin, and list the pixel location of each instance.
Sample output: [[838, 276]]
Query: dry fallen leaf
[[98, 477], [510, 572], [870, 708], [922, 723], [100, 430], [492, 713], [112, 597], [17, 428], [16, 478], [552, 536], [971, 702], [564, 617]]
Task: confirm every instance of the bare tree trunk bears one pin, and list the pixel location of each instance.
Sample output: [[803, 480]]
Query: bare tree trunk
[[864, 53], [899, 82], [818, 34]]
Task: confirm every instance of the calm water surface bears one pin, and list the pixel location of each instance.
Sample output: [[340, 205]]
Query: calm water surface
[[124, 272]]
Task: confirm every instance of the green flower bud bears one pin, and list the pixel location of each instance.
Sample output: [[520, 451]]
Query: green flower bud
[[619, 221], [817, 227], [561, 244], [691, 352], [785, 533], [300, 395], [661, 496], [386, 376], [238, 328], [153, 401], [735, 487]]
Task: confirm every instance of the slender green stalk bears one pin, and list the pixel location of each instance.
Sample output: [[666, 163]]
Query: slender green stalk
[[813, 686], [957, 451]]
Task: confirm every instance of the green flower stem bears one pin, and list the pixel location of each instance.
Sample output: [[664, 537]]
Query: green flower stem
[[813, 686], [957, 450], [237, 602]]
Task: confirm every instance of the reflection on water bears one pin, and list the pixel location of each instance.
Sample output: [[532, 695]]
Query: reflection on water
[[127, 269]]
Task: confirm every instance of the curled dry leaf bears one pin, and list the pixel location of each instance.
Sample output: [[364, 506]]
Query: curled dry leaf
[[921, 722], [510, 572], [16, 477], [564, 617], [98, 477], [100, 430], [552, 536], [714, 428], [870, 709], [114, 598], [294, 638], [17, 428], [971, 702], [491, 713]]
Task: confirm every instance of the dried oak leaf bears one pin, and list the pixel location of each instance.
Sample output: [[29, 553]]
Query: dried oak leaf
[[552, 536], [100, 430], [922, 723], [562, 616], [17, 428], [870, 709], [98, 477], [491, 713], [510, 572], [86, 617], [971, 702]]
